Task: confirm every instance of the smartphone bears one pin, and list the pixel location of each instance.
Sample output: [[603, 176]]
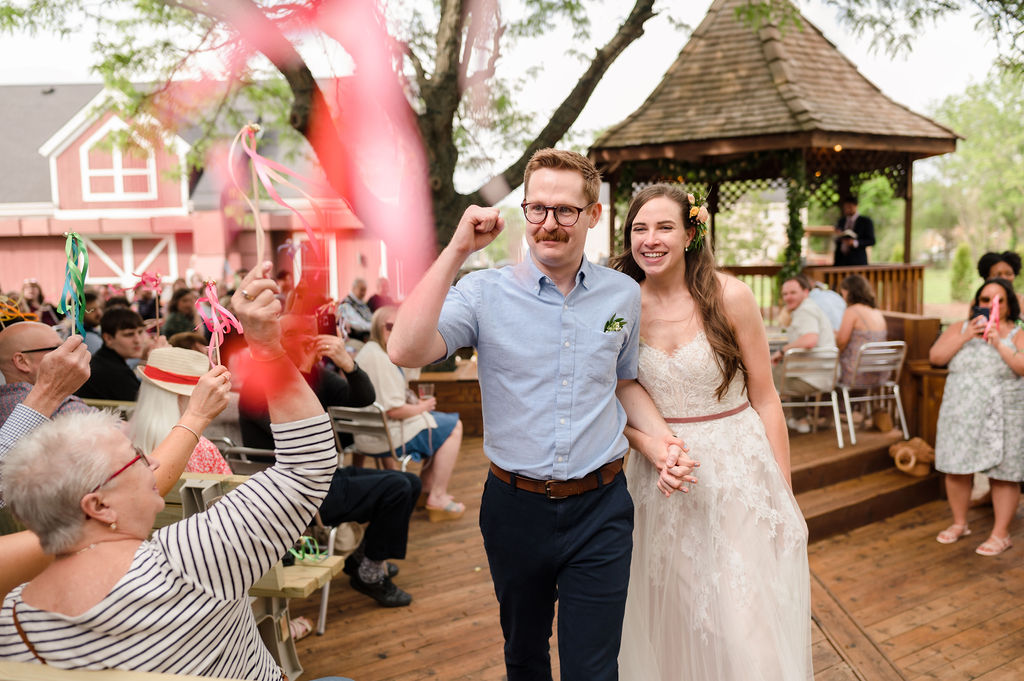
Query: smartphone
[[979, 311], [326, 321]]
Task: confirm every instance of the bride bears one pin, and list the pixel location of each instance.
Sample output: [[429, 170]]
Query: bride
[[719, 587]]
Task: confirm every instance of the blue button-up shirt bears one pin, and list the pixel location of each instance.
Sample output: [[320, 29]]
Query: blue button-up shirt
[[547, 367]]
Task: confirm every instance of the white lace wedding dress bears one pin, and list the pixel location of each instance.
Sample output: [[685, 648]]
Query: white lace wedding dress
[[719, 587]]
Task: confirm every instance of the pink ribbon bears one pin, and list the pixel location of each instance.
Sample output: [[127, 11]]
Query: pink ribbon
[[218, 322], [993, 316]]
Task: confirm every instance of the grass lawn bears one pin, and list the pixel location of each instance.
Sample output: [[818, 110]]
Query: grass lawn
[[936, 285]]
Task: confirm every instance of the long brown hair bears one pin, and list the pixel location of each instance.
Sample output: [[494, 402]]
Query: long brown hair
[[701, 280]]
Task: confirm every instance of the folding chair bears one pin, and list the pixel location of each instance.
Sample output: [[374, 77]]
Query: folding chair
[[880, 359], [370, 420], [812, 365]]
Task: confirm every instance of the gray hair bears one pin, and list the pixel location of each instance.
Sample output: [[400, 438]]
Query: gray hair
[[46, 474], [156, 412]]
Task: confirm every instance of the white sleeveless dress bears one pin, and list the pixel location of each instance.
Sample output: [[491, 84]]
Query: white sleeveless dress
[[719, 587]]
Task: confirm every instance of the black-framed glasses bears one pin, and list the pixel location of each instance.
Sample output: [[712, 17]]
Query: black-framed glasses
[[49, 349], [139, 455], [566, 216]]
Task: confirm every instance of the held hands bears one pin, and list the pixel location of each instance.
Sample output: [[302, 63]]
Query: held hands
[[257, 307], [210, 396], [478, 227], [675, 467]]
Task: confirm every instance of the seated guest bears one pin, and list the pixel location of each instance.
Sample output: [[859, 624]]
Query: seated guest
[[808, 329], [830, 302], [145, 303], [91, 320], [177, 602], [36, 303], [168, 379], [181, 313], [124, 339], [861, 324], [190, 340], [61, 372], [414, 427], [384, 499], [382, 297], [23, 349], [355, 312]]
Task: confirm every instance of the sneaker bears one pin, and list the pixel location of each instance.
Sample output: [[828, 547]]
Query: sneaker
[[384, 592], [800, 426], [352, 567]]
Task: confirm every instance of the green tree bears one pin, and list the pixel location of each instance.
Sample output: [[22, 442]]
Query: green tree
[[448, 50], [963, 274]]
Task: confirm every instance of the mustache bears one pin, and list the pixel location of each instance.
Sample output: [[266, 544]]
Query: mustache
[[558, 235]]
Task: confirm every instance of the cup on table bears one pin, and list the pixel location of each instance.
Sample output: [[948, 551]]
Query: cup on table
[[425, 390]]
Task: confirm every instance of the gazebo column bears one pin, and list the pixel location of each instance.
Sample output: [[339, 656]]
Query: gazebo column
[[612, 186], [713, 210], [908, 211]]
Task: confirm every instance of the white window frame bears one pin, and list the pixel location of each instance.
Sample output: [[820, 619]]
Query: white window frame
[[118, 172]]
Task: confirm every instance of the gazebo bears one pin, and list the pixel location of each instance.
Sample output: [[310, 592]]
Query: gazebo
[[745, 109]]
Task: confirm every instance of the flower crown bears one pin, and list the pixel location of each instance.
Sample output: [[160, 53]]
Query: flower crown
[[698, 217]]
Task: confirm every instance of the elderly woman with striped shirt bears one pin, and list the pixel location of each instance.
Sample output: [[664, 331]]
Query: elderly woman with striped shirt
[[175, 602]]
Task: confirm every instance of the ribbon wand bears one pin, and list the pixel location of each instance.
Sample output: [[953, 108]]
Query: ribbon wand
[[75, 272], [993, 317], [153, 282], [218, 322]]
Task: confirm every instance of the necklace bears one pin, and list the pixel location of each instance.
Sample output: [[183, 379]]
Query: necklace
[[75, 553]]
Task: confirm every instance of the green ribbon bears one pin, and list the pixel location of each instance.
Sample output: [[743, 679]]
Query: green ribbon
[[74, 280]]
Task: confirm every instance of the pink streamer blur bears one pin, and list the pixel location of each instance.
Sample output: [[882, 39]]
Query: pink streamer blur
[[993, 316], [219, 322]]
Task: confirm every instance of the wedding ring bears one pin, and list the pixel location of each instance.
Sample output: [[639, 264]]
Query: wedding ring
[[246, 295]]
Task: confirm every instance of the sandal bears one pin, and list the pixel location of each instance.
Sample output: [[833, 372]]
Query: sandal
[[952, 533], [993, 546], [300, 628], [453, 510]]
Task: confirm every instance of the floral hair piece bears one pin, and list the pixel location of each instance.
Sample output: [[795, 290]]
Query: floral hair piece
[[698, 217]]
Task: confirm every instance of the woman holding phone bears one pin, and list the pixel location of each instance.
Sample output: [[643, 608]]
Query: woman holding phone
[[981, 420]]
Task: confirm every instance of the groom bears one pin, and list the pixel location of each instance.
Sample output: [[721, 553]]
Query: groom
[[558, 341]]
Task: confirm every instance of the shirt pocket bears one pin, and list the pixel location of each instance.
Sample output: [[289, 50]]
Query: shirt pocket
[[599, 353]]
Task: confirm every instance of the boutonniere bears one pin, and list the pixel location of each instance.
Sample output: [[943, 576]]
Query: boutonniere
[[614, 324]]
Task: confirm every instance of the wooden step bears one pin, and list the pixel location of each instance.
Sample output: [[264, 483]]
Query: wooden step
[[849, 504], [816, 467]]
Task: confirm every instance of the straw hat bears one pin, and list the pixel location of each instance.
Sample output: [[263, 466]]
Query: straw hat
[[174, 369]]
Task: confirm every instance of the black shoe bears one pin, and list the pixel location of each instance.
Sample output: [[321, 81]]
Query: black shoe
[[351, 567], [384, 592]]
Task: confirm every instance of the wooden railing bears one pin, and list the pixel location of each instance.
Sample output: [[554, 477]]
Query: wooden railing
[[898, 288]]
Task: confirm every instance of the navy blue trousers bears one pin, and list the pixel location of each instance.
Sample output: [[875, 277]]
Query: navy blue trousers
[[576, 551]]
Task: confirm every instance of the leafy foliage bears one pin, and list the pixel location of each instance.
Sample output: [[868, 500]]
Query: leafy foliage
[[963, 274]]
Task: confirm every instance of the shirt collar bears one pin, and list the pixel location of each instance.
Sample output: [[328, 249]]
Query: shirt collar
[[531, 276]]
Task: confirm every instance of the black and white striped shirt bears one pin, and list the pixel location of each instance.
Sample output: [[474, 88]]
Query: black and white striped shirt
[[183, 607]]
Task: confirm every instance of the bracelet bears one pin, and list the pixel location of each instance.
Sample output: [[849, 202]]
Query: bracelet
[[182, 425], [272, 358]]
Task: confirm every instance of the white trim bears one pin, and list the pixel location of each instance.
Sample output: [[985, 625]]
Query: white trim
[[71, 130], [172, 256], [128, 258], [118, 173], [382, 271], [332, 265], [41, 208], [148, 260], [91, 245], [54, 189], [119, 213]]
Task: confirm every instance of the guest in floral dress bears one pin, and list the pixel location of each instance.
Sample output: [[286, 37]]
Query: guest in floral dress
[[981, 421], [167, 382]]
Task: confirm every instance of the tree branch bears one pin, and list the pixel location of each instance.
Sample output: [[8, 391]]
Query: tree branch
[[422, 80], [569, 110]]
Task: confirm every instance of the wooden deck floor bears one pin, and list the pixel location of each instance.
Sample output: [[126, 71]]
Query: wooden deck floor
[[888, 603]]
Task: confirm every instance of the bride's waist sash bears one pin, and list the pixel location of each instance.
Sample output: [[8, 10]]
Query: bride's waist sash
[[709, 417]]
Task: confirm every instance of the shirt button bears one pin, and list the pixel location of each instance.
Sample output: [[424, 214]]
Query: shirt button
[[566, 343], [564, 382], [562, 421], [565, 307], [561, 459]]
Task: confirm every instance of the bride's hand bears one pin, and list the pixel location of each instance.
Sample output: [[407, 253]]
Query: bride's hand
[[676, 470]]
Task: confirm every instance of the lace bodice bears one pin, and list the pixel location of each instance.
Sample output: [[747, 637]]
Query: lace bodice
[[684, 382]]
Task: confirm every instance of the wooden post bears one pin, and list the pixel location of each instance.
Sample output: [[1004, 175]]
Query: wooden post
[[908, 211], [713, 210], [611, 215]]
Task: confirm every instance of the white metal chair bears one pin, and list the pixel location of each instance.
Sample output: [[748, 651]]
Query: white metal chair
[[878, 359], [812, 365], [371, 420]]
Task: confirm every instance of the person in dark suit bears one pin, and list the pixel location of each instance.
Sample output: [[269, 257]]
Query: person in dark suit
[[854, 233]]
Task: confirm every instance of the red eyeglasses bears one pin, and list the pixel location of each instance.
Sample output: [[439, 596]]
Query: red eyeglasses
[[139, 454]]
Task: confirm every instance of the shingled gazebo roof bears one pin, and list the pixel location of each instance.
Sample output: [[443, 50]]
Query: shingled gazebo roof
[[734, 91]]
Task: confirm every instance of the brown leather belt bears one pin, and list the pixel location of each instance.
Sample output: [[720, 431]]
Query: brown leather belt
[[709, 417], [562, 489]]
